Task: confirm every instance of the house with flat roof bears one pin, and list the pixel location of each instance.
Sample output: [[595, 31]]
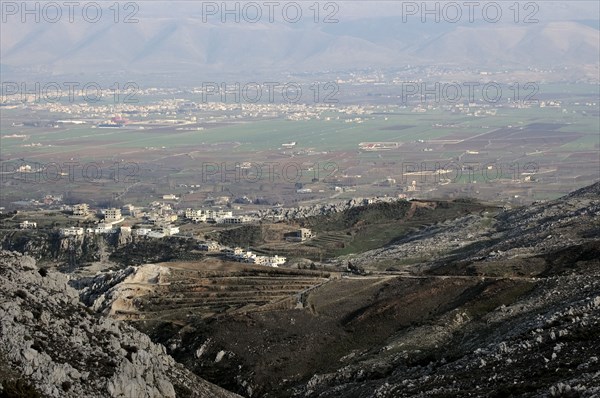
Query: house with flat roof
[[299, 236], [71, 231], [28, 225], [81, 210], [112, 215]]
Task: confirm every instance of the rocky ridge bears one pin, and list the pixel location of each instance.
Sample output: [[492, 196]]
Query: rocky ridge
[[544, 345], [295, 213], [59, 347], [529, 231]]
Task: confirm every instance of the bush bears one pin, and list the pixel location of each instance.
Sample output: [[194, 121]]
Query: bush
[[18, 389], [66, 385]]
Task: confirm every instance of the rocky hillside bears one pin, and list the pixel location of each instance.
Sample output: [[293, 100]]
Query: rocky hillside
[[51, 345], [120, 249], [466, 299], [50, 246], [531, 232], [538, 341], [543, 344], [488, 302]]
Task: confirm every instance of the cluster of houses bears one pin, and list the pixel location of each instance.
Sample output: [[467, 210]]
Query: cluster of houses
[[160, 232], [216, 216], [159, 215], [100, 228], [243, 256], [159, 218], [112, 217]]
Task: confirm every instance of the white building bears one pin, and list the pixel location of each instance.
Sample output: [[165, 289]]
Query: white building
[[169, 230], [210, 246], [276, 261], [197, 219], [142, 231], [112, 215], [81, 210], [156, 234], [274, 217], [71, 231], [191, 213], [234, 220], [300, 235], [210, 215], [217, 215], [245, 257], [260, 260], [128, 209], [28, 225], [236, 251]]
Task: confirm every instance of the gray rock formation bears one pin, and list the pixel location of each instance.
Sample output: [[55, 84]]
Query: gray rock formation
[[294, 213], [53, 342]]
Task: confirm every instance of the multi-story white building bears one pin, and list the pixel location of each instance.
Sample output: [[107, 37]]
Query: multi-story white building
[[200, 218], [195, 215], [234, 220], [81, 210], [217, 215], [112, 215], [169, 230], [191, 213], [209, 215], [102, 228]]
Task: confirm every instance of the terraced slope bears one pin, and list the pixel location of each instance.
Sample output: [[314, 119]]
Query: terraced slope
[[177, 290]]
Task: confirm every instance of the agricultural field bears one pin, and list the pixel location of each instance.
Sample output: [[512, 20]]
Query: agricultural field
[[503, 152]]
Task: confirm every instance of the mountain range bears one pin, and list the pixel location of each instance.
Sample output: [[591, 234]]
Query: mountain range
[[188, 46]]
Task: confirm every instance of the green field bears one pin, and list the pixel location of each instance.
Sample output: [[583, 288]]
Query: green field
[[325, 135]]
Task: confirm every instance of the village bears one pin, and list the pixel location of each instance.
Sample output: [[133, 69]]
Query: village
[[160, 220]]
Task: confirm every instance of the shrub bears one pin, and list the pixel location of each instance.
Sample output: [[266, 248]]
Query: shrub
[[18, 389], [66, 385]]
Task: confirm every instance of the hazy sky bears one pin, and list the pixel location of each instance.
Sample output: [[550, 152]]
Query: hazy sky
[[545, 10], [174, 36]]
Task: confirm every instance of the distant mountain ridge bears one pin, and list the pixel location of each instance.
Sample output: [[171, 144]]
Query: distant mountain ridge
[[165, 44]]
